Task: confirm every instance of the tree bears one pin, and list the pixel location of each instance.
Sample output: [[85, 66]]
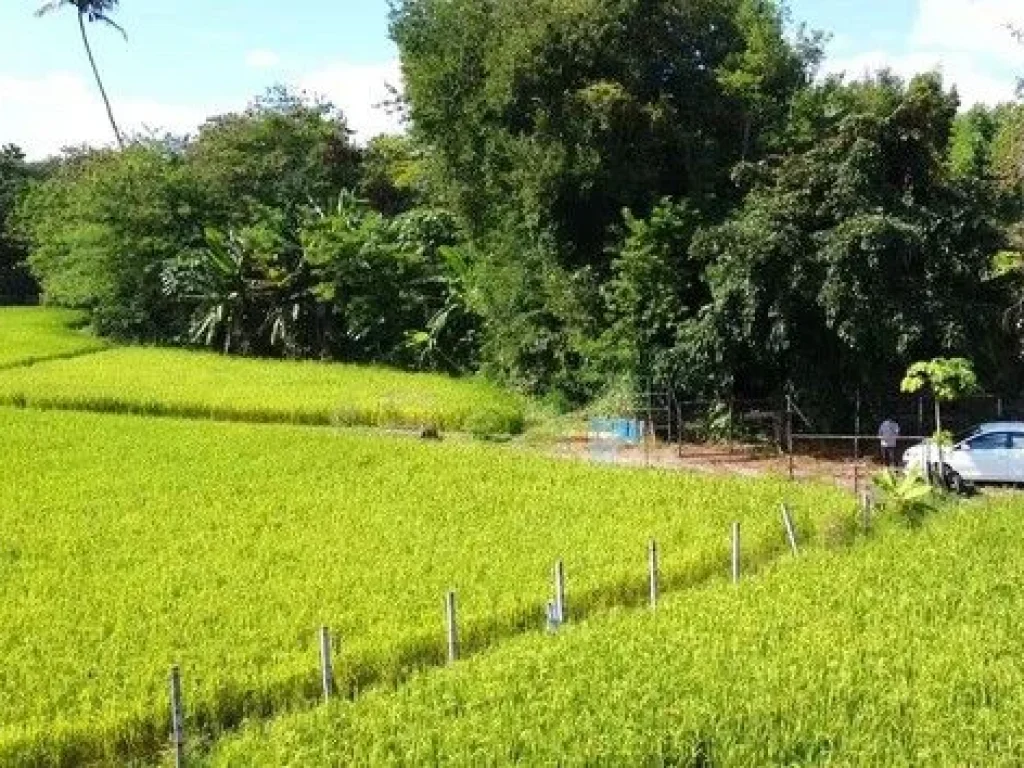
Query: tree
[[947, 378], [654, 287], [283, 152], [853, 257], [16, 283], [101, 229], [92, 11], [393, 177], [545, 120]]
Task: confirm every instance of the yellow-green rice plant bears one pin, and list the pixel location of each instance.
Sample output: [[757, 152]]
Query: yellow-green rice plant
[[901, 651], [128, 545]]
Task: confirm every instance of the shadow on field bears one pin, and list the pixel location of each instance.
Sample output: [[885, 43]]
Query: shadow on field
[[233, 704], [145, 738]]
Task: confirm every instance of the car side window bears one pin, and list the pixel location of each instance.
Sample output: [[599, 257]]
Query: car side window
[[1017, 440], [990, 441]]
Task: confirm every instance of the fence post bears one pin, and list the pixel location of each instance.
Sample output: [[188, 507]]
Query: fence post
[[787, 522], [177, 718], [326, 663], [856, 428], [732, 415], [650, 422], [735, 553], [453, 630], [856, 479], [560, 592], [552, 618], [679, 428], [652, 572], [645, 427], [865, 510], [789, 433]]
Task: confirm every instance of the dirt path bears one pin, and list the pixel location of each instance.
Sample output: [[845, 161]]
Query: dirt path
[[743, 460]]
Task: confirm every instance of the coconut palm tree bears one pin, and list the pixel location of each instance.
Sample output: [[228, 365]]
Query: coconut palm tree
[[92, 11]]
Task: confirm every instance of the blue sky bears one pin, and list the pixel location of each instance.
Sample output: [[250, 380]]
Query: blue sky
[[186, 60]]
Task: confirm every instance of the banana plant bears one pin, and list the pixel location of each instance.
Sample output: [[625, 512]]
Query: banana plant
[[908, 495], [242, 297]]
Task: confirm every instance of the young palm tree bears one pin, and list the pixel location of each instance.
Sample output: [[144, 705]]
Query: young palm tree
[[92, 10]]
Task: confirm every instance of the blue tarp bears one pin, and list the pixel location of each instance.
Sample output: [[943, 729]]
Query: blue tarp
[[629, 431]]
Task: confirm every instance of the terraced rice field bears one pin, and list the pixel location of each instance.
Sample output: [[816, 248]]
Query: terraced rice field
[[130, 544], [174, 382], [902, 651], [29, 335]]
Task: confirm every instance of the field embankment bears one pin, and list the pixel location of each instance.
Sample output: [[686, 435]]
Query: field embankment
[[30, 335], [168, 382]]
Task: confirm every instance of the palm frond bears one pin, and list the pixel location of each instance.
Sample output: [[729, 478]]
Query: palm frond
[[102, 17], [51, 6]]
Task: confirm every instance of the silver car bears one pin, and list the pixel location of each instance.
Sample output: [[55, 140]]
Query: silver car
[[990, 453]]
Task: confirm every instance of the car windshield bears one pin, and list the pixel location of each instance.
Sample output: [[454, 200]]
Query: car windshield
[[966, 435]]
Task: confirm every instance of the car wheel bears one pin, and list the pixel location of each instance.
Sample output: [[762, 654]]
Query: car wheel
[[954, 481]]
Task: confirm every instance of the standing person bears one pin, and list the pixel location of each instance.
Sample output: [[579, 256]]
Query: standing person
[[888, 433]]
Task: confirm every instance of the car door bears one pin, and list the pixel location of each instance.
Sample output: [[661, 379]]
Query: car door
[[1015, 457], [983, 458]]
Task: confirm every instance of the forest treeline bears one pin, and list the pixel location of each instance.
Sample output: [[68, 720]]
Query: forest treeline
[[589, 195]]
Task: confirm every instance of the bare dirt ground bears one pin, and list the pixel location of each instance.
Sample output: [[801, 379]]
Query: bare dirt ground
[[721, 458]]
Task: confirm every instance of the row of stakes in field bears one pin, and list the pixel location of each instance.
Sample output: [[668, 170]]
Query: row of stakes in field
[[556, 616]]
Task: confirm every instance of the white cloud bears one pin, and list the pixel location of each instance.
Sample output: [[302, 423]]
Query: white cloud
[[979, 27], [262, 59], [974, 83], [968, 41], [359, 91], [44, 114]]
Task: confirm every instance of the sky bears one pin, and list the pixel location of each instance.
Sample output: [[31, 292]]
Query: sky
[[190, 59]]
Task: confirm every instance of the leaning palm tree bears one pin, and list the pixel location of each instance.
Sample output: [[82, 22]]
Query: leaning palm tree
[[92, 10]]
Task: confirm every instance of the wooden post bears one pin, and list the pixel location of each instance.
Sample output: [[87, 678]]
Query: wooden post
[[177, 719], [326, 663], [787, 523], [560, 592], [652, 572], [856, 479], [735, 553], [453, 630], [789, 433]]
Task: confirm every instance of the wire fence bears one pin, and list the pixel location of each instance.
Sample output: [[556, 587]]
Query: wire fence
[[783, 436]]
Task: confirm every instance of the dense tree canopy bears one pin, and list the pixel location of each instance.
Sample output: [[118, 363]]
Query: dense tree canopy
[[548, 119], [16, 284], [591, 194]]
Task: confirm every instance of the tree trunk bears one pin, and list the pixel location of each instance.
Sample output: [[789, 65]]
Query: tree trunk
[[99, 81], [748, 125]]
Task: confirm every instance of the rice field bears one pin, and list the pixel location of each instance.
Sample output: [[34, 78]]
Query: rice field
[[29, 335], [129, 544], [905, 650], [173, 382]]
